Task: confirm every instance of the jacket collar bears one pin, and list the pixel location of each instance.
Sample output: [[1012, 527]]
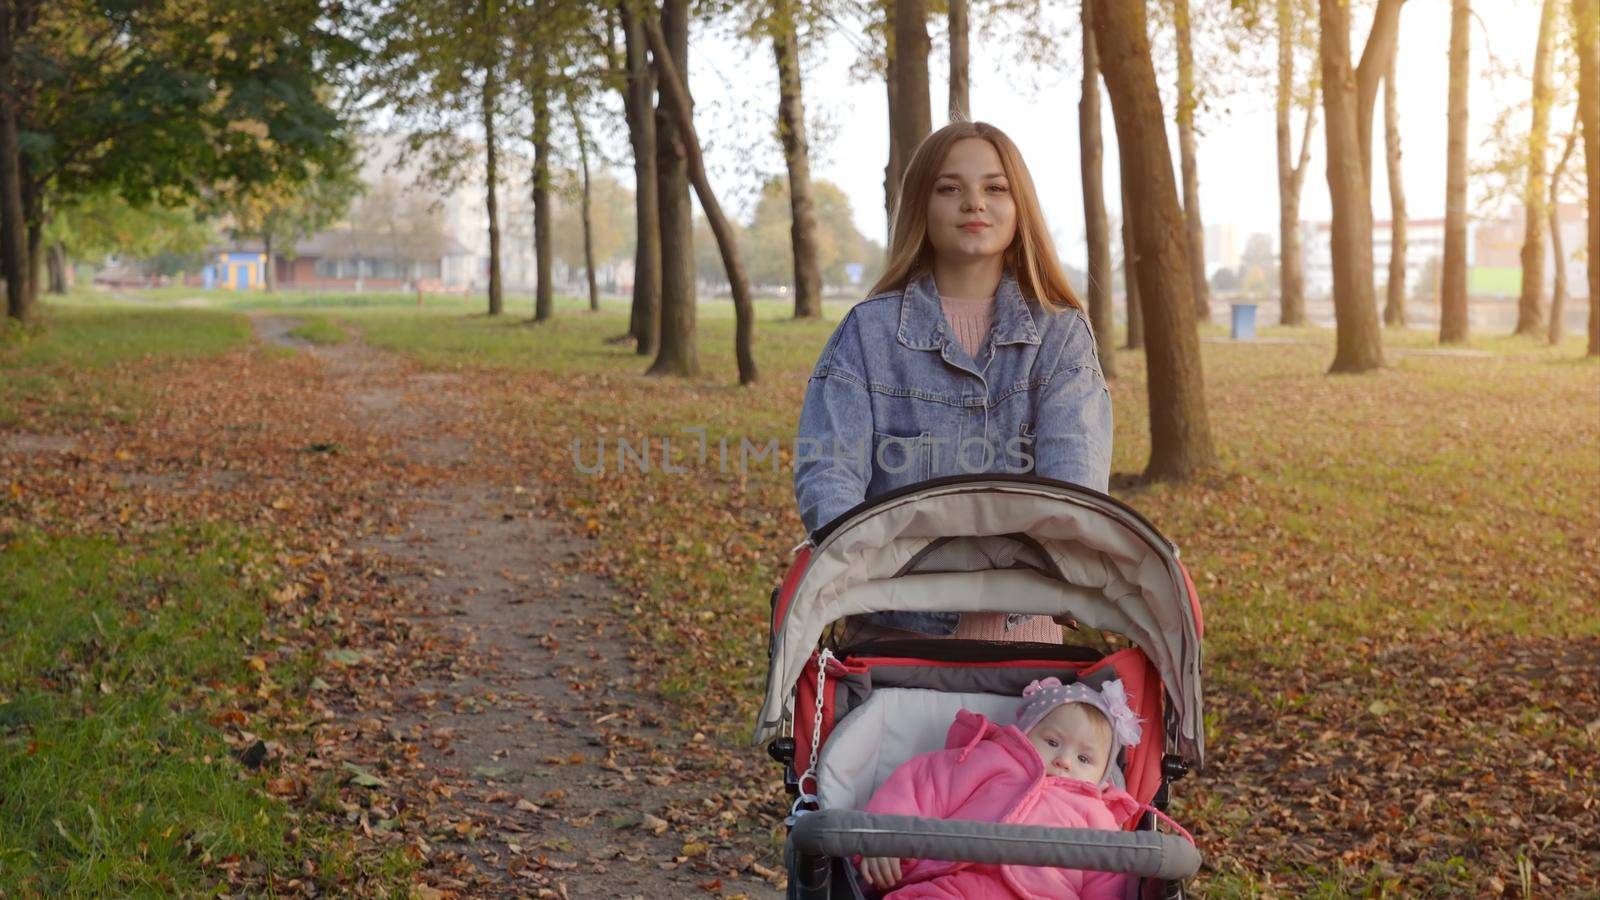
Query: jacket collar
[[923, 325]]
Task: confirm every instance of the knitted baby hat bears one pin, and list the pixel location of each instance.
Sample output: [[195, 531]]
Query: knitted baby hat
[[1044, 695]]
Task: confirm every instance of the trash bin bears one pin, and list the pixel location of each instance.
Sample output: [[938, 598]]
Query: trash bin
[[1244, 322]]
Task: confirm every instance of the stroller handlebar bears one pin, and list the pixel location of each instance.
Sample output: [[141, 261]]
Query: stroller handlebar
[[848, 832]]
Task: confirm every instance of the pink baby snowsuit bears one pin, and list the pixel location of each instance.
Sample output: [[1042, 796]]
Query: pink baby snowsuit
[[988, 773]]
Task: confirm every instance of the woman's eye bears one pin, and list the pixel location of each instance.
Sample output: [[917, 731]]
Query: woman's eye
[[998, 188], [1052, 742]]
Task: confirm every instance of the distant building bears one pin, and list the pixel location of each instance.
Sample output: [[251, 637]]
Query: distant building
[[1494, 253], [235, 269], [343, 259], [1497, 245], [1223, 246], [1424, 241]]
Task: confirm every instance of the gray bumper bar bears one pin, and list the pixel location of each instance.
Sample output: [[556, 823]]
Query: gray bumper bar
[[846, 832]]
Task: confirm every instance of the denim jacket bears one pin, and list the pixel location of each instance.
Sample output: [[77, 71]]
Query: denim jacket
[[895, 399]]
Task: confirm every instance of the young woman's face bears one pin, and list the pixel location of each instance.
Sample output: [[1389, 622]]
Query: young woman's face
[[971, 215]]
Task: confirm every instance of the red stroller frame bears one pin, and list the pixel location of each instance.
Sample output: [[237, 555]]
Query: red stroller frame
[[830, 686]]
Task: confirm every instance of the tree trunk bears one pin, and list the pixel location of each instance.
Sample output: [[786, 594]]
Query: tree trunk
[[677, 353], [797, 156], [1530, 302], [1193, 225], [675, 95], [893, 169], [644, 322], [269, 273], [57, 256], [1180, 431], [33, 213], [1291, 176], [496, 297], [1586, 16], [912, 116], [588, 223], [1130, 259], [1095, 226], [13, 222], [1394, 307], [1558, 292], [1453, 324], [544, 298], [960, 103], [1359, 346], [1381, 41]]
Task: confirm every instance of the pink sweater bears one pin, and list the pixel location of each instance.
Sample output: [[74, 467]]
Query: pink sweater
[[970, 321], [992, 774]]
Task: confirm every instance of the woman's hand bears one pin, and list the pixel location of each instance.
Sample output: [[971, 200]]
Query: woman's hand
[[882, 872]]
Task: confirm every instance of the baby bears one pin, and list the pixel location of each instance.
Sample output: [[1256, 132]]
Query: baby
[[1048, 769]]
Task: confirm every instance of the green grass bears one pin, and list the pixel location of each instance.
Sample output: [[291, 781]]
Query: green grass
[[1446, 502], [66, 372], [320, 330], [113, 657]]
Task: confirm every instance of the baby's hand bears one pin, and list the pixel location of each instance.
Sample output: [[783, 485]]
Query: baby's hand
[[882, 872]]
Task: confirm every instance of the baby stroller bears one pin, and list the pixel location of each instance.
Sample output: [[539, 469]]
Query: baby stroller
[[841, 718]]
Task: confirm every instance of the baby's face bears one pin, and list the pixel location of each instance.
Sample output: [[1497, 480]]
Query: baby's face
[[1070, 744]]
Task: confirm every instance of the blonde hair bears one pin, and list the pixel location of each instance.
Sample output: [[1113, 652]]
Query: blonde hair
[[1031, 256]]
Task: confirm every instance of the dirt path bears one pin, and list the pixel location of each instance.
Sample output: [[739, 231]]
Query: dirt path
[[533, 763]]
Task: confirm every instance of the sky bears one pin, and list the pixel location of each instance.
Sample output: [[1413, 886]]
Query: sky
[[735, 91]]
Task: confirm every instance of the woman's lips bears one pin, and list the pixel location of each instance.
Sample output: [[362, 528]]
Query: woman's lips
[[975, 227]]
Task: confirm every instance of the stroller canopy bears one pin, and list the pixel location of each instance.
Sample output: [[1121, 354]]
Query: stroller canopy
[[1016, 544]]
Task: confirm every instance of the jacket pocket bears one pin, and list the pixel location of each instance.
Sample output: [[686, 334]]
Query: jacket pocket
[[902, 459]]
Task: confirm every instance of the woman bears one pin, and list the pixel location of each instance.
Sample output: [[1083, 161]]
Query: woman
[[971, 354]]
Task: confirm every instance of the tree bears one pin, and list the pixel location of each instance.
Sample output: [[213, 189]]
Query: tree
[[910, 115], [960, 102], [1095, 224], [1291, 175], [611, 233], [1453, 324], [1530, 302], [1348, 96], [1186, 153], [1586, 28], [544, 302], [1394, 306], [155, 101], [797, 157], [548, 42], [676, 352], [588, 220], [644, 320], [489, 96], [675, 96], [1180, 431], [103, 222], [443, 68], [1558, 290], [1130, 259]]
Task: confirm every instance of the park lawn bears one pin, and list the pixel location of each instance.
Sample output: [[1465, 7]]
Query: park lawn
[[77, 367], [1399, 571], [120, 661], [138, 653]]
